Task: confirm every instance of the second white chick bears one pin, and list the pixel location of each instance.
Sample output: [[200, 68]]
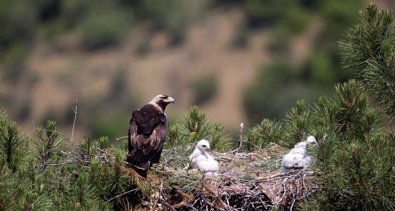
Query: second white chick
[[297, 158]]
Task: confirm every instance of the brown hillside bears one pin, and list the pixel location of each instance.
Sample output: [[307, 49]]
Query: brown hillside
[[67, 74]]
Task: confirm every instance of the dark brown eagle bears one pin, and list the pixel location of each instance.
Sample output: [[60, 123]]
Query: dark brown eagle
[[147, 133]]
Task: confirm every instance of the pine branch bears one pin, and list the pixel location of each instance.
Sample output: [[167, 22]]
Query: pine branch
[[195, 126], [10, 144], [369, 51]]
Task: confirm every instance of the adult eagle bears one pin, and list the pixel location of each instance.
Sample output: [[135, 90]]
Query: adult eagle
[[147, 132]]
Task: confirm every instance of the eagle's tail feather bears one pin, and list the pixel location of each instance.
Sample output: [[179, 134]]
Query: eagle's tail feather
[[156, 158], [141, 172]]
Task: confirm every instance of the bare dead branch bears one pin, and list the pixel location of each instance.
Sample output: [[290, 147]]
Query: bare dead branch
[[75, 110]]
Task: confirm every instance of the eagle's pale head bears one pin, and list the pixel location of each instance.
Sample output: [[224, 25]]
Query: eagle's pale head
[[162, 101]]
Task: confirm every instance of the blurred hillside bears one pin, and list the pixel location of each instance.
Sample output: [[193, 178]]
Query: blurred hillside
[[239, 61]]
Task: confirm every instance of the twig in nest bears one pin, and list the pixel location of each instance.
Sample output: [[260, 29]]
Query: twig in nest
[[124, 193], [60, 164], [159, 196], [293, 203], [121, 138], [105, 152], [167, 204], [283, 184], [184, 204]]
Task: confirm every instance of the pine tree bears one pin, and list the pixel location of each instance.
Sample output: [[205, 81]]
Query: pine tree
[[355, 160], [369, 51], [356, 157], [49, 174]]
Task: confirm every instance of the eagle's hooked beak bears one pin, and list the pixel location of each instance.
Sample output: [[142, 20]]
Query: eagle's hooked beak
[[169, 100]]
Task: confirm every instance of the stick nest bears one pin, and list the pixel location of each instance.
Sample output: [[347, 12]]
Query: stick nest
[[247, 181]]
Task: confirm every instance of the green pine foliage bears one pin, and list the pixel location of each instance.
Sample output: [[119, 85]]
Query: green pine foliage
[[51, 173], [47, 143], [296, 126], [11, 144], [48, 172], [368, 51], [204, 89], [196, 126], [261, 135], [355, 160]]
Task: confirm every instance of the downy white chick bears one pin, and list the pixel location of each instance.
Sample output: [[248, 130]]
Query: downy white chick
[[297, 158], [200, 159]]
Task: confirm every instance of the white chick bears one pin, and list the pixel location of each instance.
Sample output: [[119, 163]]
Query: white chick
[[200, 159], [297, 158]]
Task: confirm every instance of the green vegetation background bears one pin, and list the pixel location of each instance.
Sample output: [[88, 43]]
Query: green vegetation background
[[99, 25]]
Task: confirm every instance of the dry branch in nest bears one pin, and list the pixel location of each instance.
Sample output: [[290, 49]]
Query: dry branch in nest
[[280, 190]]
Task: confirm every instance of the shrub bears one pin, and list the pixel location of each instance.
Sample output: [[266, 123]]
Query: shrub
[[204, 89], [104, 30], [261, 135], [12, 144], [264, 12], [339, 15], [14, 60], [296, 18], [169, 16], [320, 69], [279, 41], [296, 126], [195, 126], [112, 125], [56, 177], [47, 143], [274, 91], [240, 37]]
